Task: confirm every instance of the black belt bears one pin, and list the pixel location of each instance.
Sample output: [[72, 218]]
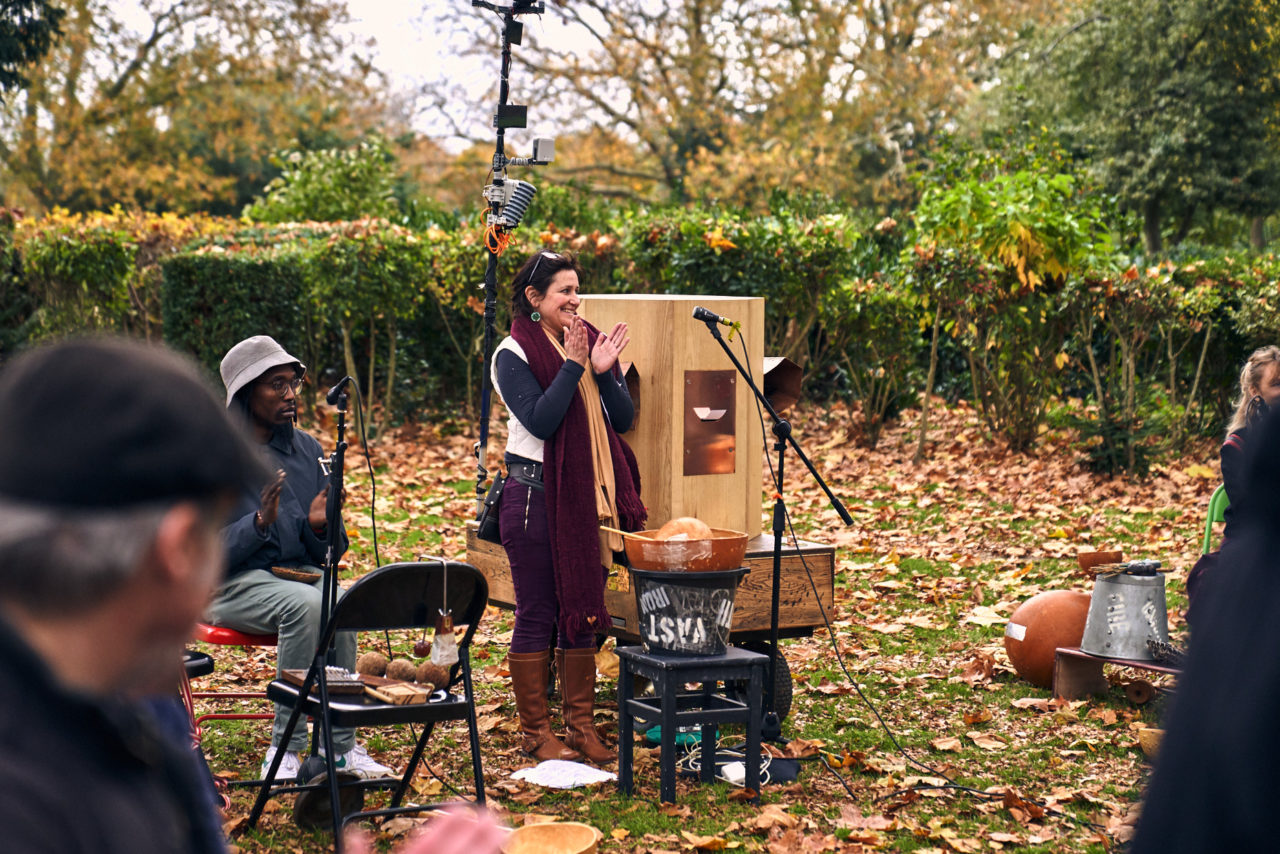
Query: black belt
[[529, 474]]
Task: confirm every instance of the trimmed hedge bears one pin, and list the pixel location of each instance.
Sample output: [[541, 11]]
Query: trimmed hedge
[[17, 303], [851, 301], [213, 299]]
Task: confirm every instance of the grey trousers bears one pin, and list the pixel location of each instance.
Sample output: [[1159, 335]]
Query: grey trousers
[[257, 602]]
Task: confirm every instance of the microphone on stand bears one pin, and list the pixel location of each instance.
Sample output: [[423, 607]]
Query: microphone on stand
[[332, 397], [700, 313]]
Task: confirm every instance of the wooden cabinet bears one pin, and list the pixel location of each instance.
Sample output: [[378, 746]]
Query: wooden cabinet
[[697, 435]]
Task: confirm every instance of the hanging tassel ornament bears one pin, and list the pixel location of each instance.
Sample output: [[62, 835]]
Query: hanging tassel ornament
[[444, 646]]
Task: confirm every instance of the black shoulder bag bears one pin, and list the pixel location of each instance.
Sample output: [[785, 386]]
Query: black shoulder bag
[[487, 521]]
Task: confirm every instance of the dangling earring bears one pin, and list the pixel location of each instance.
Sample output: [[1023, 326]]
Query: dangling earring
[[1257, 409], [536, 316]]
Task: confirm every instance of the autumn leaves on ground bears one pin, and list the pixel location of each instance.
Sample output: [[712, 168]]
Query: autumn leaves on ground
[[938, 557]]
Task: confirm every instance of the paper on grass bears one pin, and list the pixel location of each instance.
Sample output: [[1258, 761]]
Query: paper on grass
[[561, 774]]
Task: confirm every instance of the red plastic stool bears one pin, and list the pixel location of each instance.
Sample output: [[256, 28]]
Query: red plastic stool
[[224, 637]]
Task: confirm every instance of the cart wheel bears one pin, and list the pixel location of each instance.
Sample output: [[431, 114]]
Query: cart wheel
[[1139, 691], [782, 683]]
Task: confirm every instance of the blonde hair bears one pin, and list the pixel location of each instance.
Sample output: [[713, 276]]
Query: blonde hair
[[1251, 383]]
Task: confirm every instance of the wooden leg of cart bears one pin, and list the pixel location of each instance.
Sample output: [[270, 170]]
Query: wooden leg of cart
[[1077, 676]]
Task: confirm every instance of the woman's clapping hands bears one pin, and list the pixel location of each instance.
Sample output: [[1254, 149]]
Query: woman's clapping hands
[[604, 355]]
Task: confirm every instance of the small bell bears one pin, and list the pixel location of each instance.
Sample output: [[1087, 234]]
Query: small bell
[[444, 646]]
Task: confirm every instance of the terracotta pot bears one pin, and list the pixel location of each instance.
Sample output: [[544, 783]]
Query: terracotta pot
[[1039, 626], [1088, 560]]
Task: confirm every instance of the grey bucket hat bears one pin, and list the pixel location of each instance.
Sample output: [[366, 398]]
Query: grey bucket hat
[[252, 358]]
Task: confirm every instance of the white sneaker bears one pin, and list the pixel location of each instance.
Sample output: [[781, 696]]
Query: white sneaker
[[358, 761], [289, 766]]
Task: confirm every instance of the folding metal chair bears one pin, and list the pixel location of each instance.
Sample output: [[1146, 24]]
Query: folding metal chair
[[395, 597]]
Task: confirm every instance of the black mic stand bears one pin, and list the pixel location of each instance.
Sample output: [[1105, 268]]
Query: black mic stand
[[333, 516], [336, 469], [505, 115], [771, 725]]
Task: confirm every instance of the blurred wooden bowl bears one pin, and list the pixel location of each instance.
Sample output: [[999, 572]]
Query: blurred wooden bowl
[[726, 549], [289, 573], [1149, 740], [553, 837]]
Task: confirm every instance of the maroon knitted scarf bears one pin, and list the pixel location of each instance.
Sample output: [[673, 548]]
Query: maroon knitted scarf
[[570, 490]]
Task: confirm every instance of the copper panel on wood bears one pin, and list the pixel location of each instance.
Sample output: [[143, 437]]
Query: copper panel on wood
[[710, 420]]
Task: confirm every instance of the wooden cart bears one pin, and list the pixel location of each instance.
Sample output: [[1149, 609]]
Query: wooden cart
[[798, 612]]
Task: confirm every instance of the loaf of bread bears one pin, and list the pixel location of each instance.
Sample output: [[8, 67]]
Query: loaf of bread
[[685, 528]]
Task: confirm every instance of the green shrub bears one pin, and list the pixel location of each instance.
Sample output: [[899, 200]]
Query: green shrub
[[79, 271], [791, 262], [570, 206], [1031, 230], [214, 298], [873, 331], [1032, 303], [369, 274], [17, 304], [100, 271], [330, 185]]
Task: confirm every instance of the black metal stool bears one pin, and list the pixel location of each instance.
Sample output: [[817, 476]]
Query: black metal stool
[[673, 709]]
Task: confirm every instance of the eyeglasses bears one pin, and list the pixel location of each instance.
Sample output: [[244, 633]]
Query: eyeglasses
[[541, 255], [279, 384]]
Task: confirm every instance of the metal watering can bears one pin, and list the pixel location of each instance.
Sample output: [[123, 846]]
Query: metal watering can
[[1127, 609]]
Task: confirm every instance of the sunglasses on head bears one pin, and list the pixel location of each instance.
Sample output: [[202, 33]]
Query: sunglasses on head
[[541, 255]]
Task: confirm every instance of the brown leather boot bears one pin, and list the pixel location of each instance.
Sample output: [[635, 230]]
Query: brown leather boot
[[529, 681], [577, 668]]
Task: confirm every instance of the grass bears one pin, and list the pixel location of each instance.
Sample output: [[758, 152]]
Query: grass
[[937, 559]]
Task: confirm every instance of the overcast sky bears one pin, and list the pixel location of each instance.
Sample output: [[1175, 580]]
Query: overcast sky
[[412, 50]]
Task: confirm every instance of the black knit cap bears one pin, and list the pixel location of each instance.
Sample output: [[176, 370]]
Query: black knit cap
[[103, 422]]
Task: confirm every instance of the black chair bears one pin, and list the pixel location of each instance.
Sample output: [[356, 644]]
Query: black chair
[[395, 597]]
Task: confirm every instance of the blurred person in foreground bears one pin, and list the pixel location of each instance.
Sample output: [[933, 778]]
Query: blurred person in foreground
[[117, 467], [463, 828], [1215, 780]]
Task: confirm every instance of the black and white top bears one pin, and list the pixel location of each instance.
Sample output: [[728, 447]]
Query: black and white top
[[535, 412]]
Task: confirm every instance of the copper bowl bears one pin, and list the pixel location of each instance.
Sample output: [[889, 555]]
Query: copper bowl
[[724, 549]]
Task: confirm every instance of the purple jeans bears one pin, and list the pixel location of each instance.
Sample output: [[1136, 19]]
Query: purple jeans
[[523, 521]]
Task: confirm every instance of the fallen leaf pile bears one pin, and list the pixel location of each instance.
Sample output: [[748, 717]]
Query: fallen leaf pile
[[937, 558]]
